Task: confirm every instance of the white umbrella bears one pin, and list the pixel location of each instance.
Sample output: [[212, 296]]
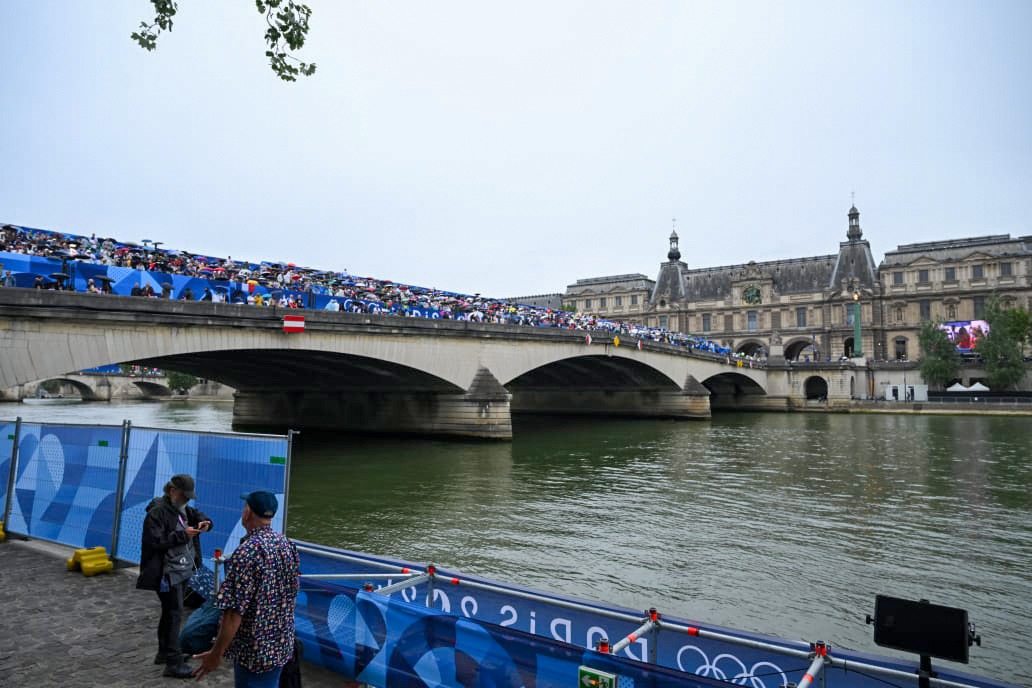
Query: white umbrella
[[978, 387], [956, 387]]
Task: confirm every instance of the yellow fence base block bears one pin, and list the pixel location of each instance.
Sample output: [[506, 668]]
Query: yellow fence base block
[[91, 567], [90, 561]]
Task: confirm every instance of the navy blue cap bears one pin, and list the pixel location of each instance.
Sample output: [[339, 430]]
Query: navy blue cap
[[262, 502]]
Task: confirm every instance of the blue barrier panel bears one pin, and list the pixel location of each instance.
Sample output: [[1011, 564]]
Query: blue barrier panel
[[6, 449], [65, 484], [223, 466], [359, 635], [384, 641]]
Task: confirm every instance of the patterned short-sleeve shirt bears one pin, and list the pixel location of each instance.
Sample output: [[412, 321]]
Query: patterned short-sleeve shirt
[[261, 584]]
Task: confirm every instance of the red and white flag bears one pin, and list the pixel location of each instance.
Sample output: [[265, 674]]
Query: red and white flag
[[640, 347], [293, 323], [587, 339]]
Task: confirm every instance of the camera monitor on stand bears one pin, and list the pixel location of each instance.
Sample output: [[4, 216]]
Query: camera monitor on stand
[[929, 630]]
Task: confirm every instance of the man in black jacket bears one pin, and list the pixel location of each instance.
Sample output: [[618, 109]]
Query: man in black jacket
[[170, 552]]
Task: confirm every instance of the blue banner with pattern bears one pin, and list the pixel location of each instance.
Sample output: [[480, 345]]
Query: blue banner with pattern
[[65, 483], [473, 636], [386, 641], [223, 467], [7, 431], [67, 480]]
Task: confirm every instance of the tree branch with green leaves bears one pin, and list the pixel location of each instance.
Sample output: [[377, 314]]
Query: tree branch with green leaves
[[286, 32]]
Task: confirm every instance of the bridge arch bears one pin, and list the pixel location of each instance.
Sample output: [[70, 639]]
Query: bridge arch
[[152, 389], [59, 384], [249, 369], [800, 348], [592, 371], [751, 346], [815, 387]]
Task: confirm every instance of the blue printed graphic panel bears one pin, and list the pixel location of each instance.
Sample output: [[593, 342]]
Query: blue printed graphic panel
[[385, 641], [223, 467], [6, 449], [470, 632], [65, 485]]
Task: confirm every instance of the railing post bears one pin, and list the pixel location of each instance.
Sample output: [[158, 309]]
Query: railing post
[[286, 477], [6, 513], [123, 459], [653, 616], [215, 563], [432, 573]]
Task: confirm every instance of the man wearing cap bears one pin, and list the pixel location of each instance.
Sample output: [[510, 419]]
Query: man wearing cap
[[257, 600], [170, 552]]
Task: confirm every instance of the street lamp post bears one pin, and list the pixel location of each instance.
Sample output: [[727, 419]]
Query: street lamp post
[[858, 349]]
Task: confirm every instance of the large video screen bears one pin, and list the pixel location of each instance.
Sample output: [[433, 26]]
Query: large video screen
[[965, 333]]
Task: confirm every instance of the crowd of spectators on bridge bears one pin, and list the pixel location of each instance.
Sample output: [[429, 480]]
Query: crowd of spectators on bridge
[[286, 285]]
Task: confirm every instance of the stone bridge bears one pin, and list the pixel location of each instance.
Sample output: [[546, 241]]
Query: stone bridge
[[110, 387], [91, 388], [358, 372]]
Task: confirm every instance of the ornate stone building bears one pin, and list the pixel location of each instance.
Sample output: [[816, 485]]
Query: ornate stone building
[[806, 306], [950, 281], [620, 297]]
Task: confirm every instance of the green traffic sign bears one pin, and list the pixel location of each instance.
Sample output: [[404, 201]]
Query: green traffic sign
[[593, 678]]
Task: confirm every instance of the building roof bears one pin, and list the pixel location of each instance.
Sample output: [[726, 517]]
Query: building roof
[[997, 245], [792, 276], [602, 285]]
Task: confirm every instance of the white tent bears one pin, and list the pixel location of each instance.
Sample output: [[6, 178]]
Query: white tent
[[957, 387], [978, 387]]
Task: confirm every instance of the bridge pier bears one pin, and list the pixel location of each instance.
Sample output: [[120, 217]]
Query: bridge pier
[[482, 412], [692, 401]]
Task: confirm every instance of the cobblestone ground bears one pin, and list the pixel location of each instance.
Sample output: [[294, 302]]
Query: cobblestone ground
[[60, 628]]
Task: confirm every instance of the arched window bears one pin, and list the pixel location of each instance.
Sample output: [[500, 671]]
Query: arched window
[[900, 348]]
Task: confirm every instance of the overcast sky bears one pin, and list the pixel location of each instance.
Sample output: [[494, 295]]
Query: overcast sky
[[512, 148]]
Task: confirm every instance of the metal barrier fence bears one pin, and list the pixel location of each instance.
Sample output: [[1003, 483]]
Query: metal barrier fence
[[89, 485], [389, 622]]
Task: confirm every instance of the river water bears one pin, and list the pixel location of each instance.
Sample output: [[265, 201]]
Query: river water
[[787, 524]]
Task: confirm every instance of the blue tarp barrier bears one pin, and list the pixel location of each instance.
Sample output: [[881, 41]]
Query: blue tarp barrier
[[223, 466], [472, 633], [65, 483], [6, 449], [67, 480]]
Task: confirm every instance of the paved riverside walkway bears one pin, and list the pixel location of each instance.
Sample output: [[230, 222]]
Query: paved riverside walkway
[[60, 628]]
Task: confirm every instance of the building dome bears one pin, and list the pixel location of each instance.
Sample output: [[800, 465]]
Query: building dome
[[674, 253]]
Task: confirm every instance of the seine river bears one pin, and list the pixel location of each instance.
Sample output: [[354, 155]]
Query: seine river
[[787, 524]]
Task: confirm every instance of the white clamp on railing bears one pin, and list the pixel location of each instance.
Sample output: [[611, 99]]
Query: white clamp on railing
[[651, 625], [819, 652], [401, 585]]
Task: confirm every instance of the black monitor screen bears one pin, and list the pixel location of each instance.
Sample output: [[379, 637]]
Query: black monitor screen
[[922, 628]]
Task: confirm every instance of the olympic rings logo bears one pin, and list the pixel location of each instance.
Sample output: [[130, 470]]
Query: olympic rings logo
[[727, 667]]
